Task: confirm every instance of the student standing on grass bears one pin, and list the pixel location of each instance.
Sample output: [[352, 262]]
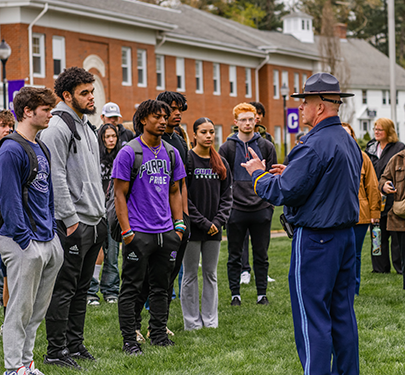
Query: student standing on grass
[[370, 205], [109, 284], [29, 245], [319, 190], [249, 212], [79, 212], [210, 202], [151, 241]]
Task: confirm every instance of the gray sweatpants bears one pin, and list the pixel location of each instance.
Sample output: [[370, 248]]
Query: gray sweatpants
[[31, 275], [189, 286]]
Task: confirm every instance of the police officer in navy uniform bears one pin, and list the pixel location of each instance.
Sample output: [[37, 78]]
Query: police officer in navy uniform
[[319, 189]]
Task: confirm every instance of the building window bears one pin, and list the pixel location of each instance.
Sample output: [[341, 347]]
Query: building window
[[218, 136], [248, 82], [303, 24], [364, 127], [38, 55], [304, 80], [217, 79], [58, 54], [284, 78], [307, 25], [142, 68], [160, 72], [126, 66], [276, 85], [199, 77], [384, 97], [364, 96], [181, 85], [232, 80], [296, 83]]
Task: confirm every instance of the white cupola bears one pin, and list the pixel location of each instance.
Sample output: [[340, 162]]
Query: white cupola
[[299, 25]]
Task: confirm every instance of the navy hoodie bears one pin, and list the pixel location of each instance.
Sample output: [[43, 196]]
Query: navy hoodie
[[244, 197]]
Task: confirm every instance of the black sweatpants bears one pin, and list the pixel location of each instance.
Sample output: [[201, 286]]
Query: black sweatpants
[[67, 310], [258, 223], [142, 298], [153, 255]]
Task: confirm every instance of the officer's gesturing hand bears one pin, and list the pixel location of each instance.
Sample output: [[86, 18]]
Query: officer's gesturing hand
[[255, 163]]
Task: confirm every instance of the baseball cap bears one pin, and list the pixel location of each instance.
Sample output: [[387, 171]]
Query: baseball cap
[[110, 110]]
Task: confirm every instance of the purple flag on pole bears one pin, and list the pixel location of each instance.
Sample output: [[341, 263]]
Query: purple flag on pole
[[13, 88], [293, 124]]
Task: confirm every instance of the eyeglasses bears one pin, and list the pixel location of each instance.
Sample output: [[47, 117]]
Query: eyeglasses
[[245, 120], [110, 136], [376, 130]]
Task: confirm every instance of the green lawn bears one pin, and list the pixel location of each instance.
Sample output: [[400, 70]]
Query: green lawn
[[251, 339]]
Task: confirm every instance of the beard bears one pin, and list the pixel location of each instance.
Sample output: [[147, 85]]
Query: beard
[[84, 111]]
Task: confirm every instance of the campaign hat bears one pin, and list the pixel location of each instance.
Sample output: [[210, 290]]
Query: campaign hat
[[322, 84]]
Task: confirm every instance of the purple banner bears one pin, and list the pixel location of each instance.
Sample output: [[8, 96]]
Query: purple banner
[[13, 88], [293, 124]]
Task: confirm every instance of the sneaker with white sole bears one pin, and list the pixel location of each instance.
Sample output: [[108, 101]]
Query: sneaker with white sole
[[93, 302], [245, 277], [21, 371], [270, 280], [31, 370]]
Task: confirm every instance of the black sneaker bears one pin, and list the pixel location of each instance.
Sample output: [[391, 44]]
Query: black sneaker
[[235, 301], [263, 301], [165, 342], [82, 353], [132, 348], [63, 359]]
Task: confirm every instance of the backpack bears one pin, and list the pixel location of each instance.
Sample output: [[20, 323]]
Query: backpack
[[115, 228], [232, 150], [70, 122], [33, 160]]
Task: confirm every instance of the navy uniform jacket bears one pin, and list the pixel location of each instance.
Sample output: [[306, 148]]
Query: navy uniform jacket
[[320, 185]]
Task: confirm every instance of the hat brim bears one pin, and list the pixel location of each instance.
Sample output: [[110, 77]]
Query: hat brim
[[304, 94], [113, 115]]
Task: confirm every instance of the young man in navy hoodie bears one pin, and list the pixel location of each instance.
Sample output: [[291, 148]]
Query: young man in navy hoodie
[[248, 210], [29, 245]]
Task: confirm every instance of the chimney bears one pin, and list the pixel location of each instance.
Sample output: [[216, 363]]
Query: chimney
[[340, 30]]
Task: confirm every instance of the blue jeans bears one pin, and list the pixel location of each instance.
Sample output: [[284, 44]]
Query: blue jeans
[[359, 232], [110, 278]]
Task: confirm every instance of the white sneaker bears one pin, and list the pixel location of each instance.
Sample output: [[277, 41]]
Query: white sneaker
[[269, 279], [93, 302], [21, 371], [245, 277], [139, 337], [31, 370]]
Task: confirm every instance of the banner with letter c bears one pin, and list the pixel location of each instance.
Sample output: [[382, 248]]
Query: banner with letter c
[[293, 124]]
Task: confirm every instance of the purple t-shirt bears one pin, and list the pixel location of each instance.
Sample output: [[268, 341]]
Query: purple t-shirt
[[148, 203]]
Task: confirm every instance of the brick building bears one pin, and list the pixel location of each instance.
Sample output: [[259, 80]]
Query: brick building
[[136, 50]]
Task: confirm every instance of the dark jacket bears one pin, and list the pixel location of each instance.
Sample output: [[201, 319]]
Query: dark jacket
[[319, 187], [380, 163], [395, 172], [125, 135], [244, 198]]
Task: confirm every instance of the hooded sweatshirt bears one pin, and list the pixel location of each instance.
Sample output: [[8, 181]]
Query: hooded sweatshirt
[[76, 177], [244, 197]]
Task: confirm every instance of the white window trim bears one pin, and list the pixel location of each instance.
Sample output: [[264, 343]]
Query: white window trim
[[216, 69], [41, 54], [276, 83], [162, 72], [233, 78], [128, 65], [63, 57], [180, 71], [296, 84], [199, 90], [144, 75], [248, 82]]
